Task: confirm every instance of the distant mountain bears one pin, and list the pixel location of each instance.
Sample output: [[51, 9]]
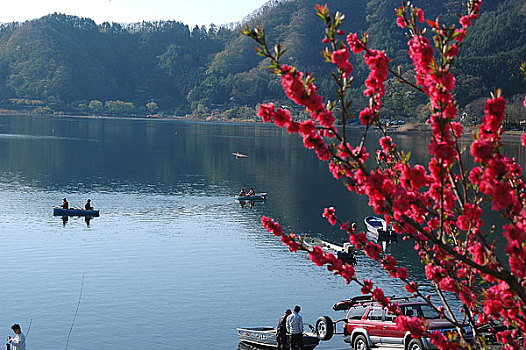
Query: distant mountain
[[64, 62]]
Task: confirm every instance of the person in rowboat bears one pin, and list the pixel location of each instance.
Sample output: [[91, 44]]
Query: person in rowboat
[[251, 192], [88, 206], [19, 341], [242, 193], [65, 204]]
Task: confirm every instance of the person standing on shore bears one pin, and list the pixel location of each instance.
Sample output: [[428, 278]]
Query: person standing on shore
[[295, 329], [281, 331], [19, 341]]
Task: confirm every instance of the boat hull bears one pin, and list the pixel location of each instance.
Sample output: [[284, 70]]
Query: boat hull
[[266, 337], [74, 212]]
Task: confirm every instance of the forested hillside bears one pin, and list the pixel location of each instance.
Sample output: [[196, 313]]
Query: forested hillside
[[64, 62], [71, 64]]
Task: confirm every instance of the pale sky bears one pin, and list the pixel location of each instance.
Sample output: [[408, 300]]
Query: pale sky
[[191, 12]]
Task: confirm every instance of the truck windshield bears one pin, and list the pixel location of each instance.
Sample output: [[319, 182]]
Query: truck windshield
[[420, 310]]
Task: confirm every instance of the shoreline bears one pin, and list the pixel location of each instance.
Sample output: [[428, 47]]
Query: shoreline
[[469, 131], [407, 129], [4, 112]]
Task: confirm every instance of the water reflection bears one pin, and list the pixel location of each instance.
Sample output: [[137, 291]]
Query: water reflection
[[251, 204], [387, 241], [87, 220]]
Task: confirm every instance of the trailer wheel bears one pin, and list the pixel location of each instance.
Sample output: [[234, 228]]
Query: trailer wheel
[[324, 328]]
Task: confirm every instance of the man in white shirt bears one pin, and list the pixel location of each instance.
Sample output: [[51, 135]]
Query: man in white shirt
[[295, 329], [19, 341]]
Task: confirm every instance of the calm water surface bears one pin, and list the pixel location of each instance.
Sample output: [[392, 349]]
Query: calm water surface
[[173, 262]]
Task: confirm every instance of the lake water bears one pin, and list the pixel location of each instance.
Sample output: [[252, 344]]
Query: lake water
[[173, 262]]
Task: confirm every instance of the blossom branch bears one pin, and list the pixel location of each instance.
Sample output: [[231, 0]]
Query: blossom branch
[[437, 208]]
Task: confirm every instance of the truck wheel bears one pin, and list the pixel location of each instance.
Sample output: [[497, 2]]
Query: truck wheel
[[324, 328], [415, 344], [360, 343]]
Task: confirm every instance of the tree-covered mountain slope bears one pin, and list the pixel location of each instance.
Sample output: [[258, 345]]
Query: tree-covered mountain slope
[[490, 56], [62, 60]]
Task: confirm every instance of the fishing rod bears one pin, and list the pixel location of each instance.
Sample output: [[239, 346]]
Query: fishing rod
[[29, 328], [76, 312]]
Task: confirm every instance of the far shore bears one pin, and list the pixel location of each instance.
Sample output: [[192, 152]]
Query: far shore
[[409, 128], [413, 128]]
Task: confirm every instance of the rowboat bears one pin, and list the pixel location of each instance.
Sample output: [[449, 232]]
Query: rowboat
[[255, 197], [74, 212], [374, 224], [266, 337], [377, 228], [239, 155]]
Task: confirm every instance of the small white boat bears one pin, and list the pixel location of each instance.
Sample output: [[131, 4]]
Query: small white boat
[[378, 229], [375, 223], [239, 155]]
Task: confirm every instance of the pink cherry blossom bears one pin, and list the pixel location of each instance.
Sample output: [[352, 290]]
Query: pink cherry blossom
[[420, 15], [329, 214], [411, 324], [400, 21], [341, 59], [355, 43], [266, 112], [481, 150], [282, 117]]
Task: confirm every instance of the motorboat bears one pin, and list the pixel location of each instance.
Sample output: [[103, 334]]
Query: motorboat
[[266, 337]]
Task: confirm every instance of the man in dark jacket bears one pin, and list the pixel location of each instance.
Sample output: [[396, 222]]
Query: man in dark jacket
[[281, 331]]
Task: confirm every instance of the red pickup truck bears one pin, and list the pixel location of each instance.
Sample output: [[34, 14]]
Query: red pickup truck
[[367, 324]]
